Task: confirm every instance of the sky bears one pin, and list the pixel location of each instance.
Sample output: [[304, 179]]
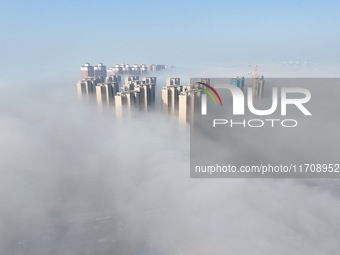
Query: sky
[[62, 35]]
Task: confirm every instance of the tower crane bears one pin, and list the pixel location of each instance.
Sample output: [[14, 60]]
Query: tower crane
[[258, 82]]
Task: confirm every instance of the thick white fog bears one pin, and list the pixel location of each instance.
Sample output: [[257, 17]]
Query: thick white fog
[[78, 181]]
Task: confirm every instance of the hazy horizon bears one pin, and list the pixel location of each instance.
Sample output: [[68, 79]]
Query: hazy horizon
[[60, 36]]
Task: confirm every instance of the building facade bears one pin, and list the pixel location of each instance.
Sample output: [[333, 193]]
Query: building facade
[[238, 82], [258, 87], [189, 104], [86, 71], [100, 70]]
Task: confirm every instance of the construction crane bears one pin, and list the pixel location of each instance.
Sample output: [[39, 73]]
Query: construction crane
[[258, 82], [256, 69]]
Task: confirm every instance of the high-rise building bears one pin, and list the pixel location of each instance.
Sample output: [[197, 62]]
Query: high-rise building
[[170, 95], [86, 71], [143, 68], [111, 71], [150, 79], [126, 69], [151, 82], [152, 68], [147, 93], [160, 67], [258, 87], [238, 82], [170, 98], [130, 82], [189, 104], [114, 78], [105, 93], [119, 69], [129, 79], [135, 69], [173, 81], [100, 70], [127, 99], [136, 93], [145, 87], [87, 86]]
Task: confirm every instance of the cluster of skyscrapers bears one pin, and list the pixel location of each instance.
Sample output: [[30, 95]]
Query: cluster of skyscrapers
[[183, 101], [186, 101], [135, 92], [134, 69], [93, 71], [119, 69]]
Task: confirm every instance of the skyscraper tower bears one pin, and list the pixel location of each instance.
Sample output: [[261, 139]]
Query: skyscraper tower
[[114, 78], [151, 82], [170, 95], [147, 92], [127, 99], [86, 71], [189, 104], [238, 82], [130, 83], [173, 81], [149, 79], [100, 70], [105, 93], [87, 86], [258, 87]]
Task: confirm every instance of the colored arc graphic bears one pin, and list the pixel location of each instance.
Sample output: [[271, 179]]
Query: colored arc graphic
[[209, 93]]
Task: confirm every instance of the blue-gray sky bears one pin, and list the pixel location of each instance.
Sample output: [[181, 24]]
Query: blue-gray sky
[[64, 34]]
